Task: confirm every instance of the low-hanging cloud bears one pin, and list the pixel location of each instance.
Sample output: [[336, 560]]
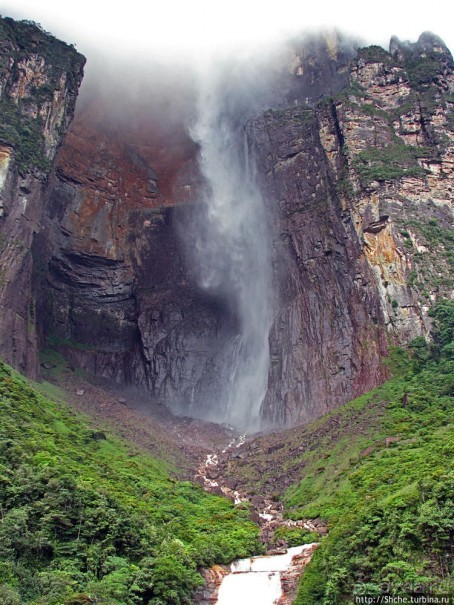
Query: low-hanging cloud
[[178, 31]]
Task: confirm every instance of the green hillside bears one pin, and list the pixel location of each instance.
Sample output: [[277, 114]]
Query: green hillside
[[379, 472], [86, 520], [390, 509]]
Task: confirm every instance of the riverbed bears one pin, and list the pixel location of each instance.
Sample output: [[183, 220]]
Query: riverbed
[[258, 580]]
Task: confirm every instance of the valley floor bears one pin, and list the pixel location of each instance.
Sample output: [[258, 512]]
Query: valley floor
[[96, 506]]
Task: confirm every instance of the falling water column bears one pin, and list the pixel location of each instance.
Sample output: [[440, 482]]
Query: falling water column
[[232, 251]]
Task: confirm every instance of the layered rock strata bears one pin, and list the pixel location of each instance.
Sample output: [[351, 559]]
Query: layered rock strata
[[355, 164], [361, 188], [39, 79]]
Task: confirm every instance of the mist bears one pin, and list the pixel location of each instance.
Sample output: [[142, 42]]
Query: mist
[[227, 236], [228, 242], [166, 85], [177, 31]]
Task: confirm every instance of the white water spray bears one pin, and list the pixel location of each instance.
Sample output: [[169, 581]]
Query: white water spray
[[231, 249], [258, 581]]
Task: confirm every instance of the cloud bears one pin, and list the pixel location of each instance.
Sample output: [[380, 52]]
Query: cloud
[[185, 30]]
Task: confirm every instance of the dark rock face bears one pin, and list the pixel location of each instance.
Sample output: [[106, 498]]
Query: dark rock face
[[119, 301], [39, 79], [140, 320], [328, 335], [105, 232], [355, 164], [320, 67], [125, 305], [129, 312], [354, 214]]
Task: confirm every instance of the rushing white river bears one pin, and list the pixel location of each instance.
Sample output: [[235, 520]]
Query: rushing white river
[[257, 581]]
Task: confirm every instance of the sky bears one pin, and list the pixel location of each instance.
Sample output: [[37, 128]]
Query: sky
[[181, 30]]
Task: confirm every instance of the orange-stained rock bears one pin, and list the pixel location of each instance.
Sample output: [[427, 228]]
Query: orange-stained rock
[[382, 252], [290, 578], [344, 251], [42, 94], [208, 593], [116, 172]]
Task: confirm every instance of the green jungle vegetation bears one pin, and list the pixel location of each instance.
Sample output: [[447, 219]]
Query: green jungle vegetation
[[84, 519], [29, 37], [433, 271], [378, 471], [388, 163], [390, 508], [25, 135], [397, 159], [21, 126]]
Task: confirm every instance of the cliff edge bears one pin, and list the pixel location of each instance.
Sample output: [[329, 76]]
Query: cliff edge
[[39, 80]]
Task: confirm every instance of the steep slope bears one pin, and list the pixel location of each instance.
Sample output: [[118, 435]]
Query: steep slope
[[87, 516], [378, 470], [355, 167], [358, 189], [361, 189], [355, 163], [121, 299], [90, 518], [39, 79]]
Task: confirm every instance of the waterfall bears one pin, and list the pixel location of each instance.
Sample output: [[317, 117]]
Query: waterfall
[[231, 250], [258, 580], [248, 588]]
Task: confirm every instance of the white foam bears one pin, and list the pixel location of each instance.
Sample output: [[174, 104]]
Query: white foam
[[250, 589], [257, 580]]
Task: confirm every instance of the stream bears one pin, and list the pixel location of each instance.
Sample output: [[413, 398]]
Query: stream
[[269, 579], [259, 580]]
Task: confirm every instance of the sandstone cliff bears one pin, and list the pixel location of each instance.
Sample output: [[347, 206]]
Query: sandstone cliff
[[361, 186], [122, 302], [39, 79], [355, 163]]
